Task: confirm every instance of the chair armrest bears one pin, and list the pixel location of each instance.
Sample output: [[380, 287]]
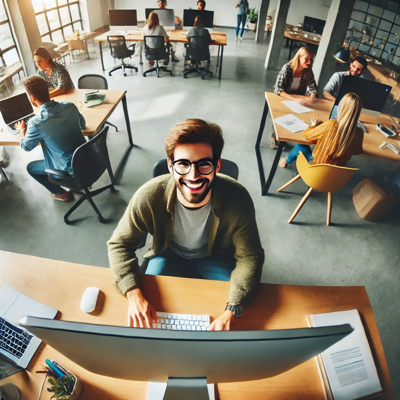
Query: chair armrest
[[57, 173]]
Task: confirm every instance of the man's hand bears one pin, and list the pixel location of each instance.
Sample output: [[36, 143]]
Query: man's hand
[[313, 97], [21, 125], [141, 313], [226, 322]]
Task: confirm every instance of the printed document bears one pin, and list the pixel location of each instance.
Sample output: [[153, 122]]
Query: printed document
[[291, 123], [296, 107]]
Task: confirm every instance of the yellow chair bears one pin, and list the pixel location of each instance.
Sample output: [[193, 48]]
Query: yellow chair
[[322, 177]]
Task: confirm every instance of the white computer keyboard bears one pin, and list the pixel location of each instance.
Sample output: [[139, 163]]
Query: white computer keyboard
[[182, 322]]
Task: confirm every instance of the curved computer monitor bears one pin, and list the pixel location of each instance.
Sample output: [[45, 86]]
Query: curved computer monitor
[[158, 355], [190, 15]]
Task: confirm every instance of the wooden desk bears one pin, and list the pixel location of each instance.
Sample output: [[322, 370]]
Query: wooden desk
[[61, 285], [175, 36], [299, 36], [11, 71], [95, 117], [322, 109]]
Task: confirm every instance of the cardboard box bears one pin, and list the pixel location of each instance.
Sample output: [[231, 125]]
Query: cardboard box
[[371, 201]]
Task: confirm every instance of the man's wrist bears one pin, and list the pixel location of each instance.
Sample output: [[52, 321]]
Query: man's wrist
[[133, 293]]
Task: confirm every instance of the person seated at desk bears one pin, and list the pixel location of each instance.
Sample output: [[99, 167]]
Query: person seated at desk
[[337, 140], [199, 30], [203, 226], [153, 28], [58, 128], [201, 5], [55, 74], [296, 77], [359, 67]]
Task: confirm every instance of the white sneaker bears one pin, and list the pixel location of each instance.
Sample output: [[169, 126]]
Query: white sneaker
[[240, 38], [236, 38]]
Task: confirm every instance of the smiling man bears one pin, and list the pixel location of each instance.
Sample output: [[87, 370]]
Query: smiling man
[[203, 226]]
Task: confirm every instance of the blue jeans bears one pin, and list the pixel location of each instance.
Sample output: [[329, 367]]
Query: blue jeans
[[241, 19], [216, 267], [304, 148], [36, 171]]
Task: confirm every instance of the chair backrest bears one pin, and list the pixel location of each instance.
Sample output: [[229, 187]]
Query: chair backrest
[[76, 44], [227, 167], [155, 48], [91, 160], [117, 46], [323, 177], [198, 46], [91, 81]]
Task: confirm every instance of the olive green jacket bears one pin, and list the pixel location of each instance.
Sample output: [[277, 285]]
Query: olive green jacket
[[232, 231]]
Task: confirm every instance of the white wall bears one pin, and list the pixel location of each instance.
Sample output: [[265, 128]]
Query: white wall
[[94, 13], [225, 11]]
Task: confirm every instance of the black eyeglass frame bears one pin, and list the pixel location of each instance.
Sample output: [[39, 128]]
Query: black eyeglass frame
[[214, 163]]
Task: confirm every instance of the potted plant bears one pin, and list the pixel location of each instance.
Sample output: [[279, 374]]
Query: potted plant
[[252, 19]]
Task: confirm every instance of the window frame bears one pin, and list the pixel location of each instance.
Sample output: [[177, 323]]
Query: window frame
[[14, 46]]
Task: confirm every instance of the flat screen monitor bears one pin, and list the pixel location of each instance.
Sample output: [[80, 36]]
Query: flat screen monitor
[[190, 357], [166, 16], [190, 15], [373, 94], [313, 25], [121, 20]]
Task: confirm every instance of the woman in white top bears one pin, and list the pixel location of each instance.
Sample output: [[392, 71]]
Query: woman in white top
[[153, 28]]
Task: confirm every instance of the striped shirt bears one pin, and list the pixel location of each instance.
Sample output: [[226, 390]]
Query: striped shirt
[[323, 136]]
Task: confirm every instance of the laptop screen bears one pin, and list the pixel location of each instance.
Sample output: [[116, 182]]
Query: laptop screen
[[15, 108]]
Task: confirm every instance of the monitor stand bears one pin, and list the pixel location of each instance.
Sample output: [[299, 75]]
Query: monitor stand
[[181, 388]]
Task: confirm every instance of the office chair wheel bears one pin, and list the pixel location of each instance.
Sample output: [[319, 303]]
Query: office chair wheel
[[185, 76], [101, 219], [67, 221], [124, 74]]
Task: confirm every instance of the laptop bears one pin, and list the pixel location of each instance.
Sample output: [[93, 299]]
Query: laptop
[[17, 344], [14, 109]]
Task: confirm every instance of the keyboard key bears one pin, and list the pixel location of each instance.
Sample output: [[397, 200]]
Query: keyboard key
[[163, 326], [174, 327]]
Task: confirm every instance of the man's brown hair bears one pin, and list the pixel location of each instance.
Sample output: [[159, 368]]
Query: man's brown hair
[[37, 87], [192, 131]]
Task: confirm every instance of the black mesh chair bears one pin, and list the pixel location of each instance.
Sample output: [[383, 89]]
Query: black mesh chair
[[157, 51], [119, 50], [227, 167], [198, 50], [88, 164], [3, 173], [91, 81]]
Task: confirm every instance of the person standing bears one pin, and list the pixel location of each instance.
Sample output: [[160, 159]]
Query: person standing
[[243, 9]]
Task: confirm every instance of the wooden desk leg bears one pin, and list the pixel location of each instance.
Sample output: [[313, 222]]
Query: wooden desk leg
[[101, 56], [290, 49], [266, 184], [220, 64]]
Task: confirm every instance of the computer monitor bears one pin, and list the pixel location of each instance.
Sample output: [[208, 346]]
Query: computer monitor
[[166, 16], [190, 15], [122, 20], [178, 356], [373, 94], [313, 25]]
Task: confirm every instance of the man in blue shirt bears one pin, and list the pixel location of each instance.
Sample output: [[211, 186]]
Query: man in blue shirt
[[58, 128]]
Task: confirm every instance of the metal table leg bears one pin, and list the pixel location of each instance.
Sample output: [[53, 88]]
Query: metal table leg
[[266, 184], [101, 56], [220, 64], [219, 48]]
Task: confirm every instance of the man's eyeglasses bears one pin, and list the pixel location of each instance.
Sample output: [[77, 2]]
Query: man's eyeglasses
[[204, 166]]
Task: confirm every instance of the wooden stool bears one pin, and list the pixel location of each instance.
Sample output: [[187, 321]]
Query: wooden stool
[[371, 201]]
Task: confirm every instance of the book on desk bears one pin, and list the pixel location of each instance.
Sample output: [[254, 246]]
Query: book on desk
[[347, 369]]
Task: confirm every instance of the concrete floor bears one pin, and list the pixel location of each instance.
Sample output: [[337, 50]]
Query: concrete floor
[[307, 252]]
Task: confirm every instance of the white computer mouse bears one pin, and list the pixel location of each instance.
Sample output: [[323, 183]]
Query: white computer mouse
[[89, 299]]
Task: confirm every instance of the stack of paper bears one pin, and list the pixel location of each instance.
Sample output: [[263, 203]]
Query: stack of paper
[[296, 107], [347, 368], [291, 123]]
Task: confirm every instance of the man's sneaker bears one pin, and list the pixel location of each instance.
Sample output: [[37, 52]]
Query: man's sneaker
[[166, 62], [65, 196], [5, 162], [240, 38], [174, 59]]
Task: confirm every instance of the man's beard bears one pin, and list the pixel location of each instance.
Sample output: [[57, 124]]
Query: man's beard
[[193, 197]]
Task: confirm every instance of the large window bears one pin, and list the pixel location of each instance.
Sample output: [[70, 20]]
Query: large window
[[57, 18], [8, 50]]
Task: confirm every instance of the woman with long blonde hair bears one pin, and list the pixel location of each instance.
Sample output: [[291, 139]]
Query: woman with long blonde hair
[[336, 140], [296, 77]]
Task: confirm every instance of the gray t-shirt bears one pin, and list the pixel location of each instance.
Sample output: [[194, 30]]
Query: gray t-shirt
[[199, 32], [156, 31], [336, 80], [190, 234]]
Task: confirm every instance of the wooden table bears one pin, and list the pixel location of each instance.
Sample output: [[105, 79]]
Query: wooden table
[[299, 36], [175, 36], [95, 117], [11, 71], [322, 109], [61, 285]]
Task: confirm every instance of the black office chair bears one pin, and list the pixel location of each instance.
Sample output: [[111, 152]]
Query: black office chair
[[91, 81], [198, 50], [157, 51], [89, 162], [119, 50], [3, 173]]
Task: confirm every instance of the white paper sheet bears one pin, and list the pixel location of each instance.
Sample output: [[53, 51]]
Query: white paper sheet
[[296, 107], [291, 123]]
